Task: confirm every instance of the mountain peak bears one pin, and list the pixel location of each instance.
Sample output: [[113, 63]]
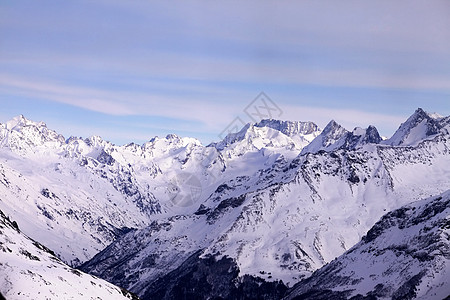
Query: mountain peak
[[21, 133], [419, 126], [20, 121], [289, 128], [334, 128], [334, 136], [372, 135], [271, 133], [420, 111], [172, 136]]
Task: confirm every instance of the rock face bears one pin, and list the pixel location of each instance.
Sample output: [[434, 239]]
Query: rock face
[[290, 128], [405, 255], [29, 270], [212, 278]]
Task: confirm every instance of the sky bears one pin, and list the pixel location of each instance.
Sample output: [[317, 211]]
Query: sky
[[132, 70]]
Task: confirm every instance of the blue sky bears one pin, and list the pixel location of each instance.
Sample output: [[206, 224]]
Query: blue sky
[[131, 70]]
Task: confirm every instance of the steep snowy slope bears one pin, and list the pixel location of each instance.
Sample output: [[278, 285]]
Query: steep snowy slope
[[61, 204], [29, 270], [421, 125], [291, 217], [405, 255]]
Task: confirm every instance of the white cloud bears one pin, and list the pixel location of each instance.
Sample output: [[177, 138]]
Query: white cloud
[[120, 102]]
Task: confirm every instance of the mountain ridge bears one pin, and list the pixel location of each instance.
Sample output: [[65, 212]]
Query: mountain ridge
[[260, 199]]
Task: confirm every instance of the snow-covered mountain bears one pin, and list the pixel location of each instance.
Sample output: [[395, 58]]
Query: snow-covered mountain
[[405, 255], [92, 191], [421, 125], [269, 134], [276, 201], [334, 137], [29, 270], [291, 217]]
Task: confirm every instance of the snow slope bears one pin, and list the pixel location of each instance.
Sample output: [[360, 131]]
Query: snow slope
[[29, 270], [405, 255]]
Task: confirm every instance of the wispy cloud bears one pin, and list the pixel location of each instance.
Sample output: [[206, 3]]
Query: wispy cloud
[[123, 102], [201, 63]]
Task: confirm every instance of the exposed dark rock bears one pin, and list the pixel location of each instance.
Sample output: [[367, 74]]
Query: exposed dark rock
[[211, 278], [224, 205], [408, 290], [202, 210], [105, 158]]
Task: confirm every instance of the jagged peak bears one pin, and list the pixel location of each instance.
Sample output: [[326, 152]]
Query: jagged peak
[[289, 127], [369, 131], [420, 114], [232, 137], [22, 134], [170, 141], [334, 136], [172, 136], [95, 140], [420, 111], [361, 136], [333, 126], [417, 127], [373, 134], [73, 139], [21, 121]]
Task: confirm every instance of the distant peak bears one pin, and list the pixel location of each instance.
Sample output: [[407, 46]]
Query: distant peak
[[94, 140], [435, 116], [419, 126], [171, 136], [424, 114], [420, 110], [371, 135], [20, 121], [331, 126], [289, 128]]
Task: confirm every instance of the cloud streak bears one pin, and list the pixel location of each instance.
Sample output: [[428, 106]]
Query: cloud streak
[[200, 63]]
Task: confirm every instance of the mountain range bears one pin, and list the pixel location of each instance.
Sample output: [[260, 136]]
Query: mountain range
[[278, 209]]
